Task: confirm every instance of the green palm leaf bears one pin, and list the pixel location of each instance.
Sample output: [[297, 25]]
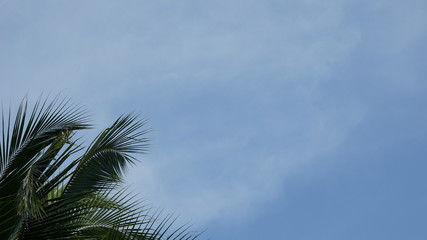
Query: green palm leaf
[[51, 188]]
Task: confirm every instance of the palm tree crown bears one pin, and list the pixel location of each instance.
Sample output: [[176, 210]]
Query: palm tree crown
[[53, 188]]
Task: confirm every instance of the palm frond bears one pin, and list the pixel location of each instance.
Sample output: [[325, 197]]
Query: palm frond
[[48, 191], [106, 159]]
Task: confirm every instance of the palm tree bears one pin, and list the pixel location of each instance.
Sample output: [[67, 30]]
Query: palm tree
[[53, 188]]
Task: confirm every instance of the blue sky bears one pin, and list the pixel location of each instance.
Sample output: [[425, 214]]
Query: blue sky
[[271, 119]]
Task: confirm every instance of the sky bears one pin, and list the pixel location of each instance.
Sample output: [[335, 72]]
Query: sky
[[274, 119]]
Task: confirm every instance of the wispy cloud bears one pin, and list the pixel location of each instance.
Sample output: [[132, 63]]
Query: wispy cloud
[[241, 94]]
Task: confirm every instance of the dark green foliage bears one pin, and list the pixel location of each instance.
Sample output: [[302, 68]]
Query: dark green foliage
[[53, 188]]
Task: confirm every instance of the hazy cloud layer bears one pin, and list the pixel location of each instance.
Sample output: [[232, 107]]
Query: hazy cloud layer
[[242, 95]]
